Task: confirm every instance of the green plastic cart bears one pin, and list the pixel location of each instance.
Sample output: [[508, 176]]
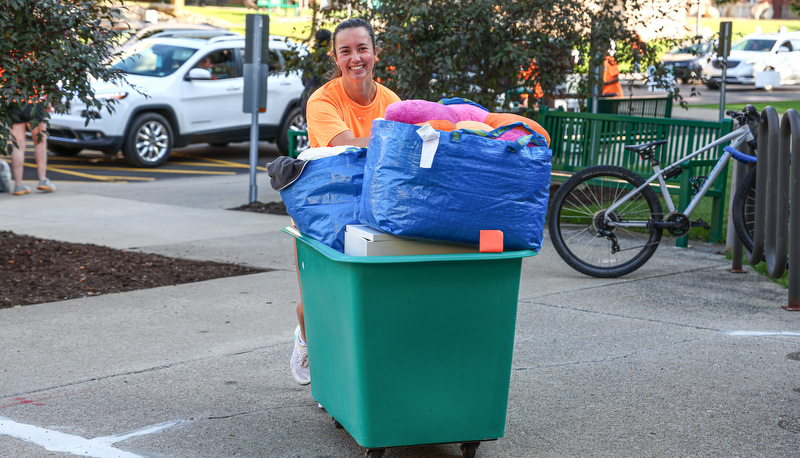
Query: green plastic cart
[[410, 350]]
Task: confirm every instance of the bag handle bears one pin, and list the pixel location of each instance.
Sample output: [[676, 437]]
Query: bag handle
[[534, 137]]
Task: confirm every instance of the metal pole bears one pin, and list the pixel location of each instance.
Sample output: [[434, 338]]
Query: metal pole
[[722, 88], [697, 28], [724, 49], [732, 241], [256, 97]]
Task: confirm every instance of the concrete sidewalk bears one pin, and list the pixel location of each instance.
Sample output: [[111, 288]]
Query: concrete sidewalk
[[681, 358]]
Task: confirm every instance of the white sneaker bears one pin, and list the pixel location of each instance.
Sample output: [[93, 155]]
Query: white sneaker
[[299, 361]]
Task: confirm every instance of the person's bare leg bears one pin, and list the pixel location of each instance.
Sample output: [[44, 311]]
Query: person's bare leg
[[300, 319], [40, 150], [18, 152]]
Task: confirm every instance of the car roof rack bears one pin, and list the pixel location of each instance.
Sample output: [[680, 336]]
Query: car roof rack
[[232, 36], [197, 33]]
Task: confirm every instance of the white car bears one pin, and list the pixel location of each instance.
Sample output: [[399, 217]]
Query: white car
[[191, 92], [756, 53]]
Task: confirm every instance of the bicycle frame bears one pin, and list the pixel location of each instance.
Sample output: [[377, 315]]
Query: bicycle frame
[[738, 137]]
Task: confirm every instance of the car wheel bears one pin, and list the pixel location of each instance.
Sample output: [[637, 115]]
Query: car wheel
[[149, 141], [62, 150], [295, 121], [712, 84]]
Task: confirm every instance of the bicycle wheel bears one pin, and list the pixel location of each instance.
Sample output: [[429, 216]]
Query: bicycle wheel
[[744, 209], [585, 241]]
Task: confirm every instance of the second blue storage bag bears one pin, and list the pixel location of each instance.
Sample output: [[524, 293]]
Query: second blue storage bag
[[452, 185], [323, 195]]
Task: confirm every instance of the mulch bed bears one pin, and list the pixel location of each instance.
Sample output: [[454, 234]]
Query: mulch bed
[[34, 271]]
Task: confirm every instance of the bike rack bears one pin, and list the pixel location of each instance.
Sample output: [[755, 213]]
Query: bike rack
[[777, 184]]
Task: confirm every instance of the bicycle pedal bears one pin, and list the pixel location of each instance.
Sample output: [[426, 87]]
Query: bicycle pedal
[[697, 183], [701, 223]]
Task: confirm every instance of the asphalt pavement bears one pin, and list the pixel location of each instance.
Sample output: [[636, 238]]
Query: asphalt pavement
[[680, 358]]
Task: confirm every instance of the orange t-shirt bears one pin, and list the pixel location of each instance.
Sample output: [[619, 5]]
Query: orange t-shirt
[[330, 112], [610, 70]]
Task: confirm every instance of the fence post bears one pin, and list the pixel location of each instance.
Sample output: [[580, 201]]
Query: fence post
[[790, 126], [777, 185]]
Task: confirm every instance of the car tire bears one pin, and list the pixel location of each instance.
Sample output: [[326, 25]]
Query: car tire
[[62, 150], [148, 142], [295, 120], [712, 84]]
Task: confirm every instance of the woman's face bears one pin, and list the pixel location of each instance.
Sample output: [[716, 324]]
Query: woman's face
[[354, 53]]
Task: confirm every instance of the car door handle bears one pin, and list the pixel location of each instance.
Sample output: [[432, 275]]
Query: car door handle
[[233, 89]]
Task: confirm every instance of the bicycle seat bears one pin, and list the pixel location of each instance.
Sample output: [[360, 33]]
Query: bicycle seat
[[645, 146]]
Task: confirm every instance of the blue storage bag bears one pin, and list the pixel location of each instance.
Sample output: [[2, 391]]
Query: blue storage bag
[[470, 182], [325, 197]]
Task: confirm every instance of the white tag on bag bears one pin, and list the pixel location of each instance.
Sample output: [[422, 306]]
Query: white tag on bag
[[430, 142]]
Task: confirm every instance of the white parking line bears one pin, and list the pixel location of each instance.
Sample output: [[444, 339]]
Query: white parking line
[[55, 441], [762, 333]]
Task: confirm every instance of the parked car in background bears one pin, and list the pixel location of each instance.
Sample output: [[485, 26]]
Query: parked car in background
[[181, 91], [756, 53], [686, 62]]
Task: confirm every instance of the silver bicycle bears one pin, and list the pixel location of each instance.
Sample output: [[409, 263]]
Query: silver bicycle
[[607, 221]]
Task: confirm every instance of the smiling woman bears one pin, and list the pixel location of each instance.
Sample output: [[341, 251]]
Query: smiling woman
[[341, 112]]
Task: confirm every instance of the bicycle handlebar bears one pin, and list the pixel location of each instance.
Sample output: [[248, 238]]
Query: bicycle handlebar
[[746, 116]]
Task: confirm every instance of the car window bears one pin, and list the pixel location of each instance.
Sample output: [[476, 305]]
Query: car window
[[275, 61], [698, 49], [704, 48], [153, 60], [222, 64], [795, 45], [785, 46], [760, 45], [149, 33]]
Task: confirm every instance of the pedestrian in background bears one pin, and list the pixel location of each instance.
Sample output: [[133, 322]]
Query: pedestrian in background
[[313, 76], [29, 117], [611, 85]]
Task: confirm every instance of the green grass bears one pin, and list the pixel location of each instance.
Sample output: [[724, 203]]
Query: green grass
[[297, 27], [741, 27], [291, 26], [781, 106]]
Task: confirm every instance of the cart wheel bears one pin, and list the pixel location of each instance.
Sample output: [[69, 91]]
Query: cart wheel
[[468, 449], [374, 452]]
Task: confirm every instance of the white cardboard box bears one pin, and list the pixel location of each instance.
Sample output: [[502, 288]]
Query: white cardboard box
[[768, 80], [361, 240]]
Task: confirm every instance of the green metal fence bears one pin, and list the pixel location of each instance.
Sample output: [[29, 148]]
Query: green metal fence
[[649, 106], [580, 140]]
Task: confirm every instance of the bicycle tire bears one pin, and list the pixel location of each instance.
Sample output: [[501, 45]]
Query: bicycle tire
[[744, 209], [577, 207]]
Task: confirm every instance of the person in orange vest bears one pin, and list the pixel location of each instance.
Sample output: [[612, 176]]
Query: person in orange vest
[[611, 85], [526, 75]]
